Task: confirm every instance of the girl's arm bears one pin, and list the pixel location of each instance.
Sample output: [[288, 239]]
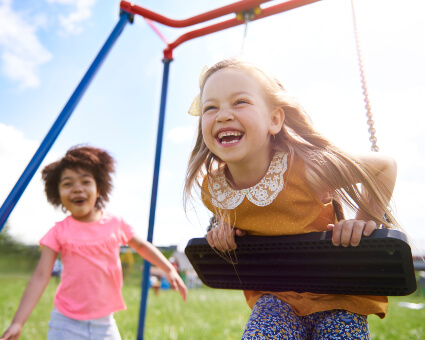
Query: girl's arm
[[384, 168], [150, 253], [349, 232], [35, 288]]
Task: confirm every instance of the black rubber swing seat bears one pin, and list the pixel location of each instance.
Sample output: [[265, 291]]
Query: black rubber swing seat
[[381, 265]]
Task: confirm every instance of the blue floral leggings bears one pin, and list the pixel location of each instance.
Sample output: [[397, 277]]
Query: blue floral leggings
[[272, 318]]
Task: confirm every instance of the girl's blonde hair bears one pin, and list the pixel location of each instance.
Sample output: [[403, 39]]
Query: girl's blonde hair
[[338, 170]]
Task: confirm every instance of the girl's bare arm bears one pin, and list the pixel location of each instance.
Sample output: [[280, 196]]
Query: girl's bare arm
[[384, 168], [350, 232], [149, 252]]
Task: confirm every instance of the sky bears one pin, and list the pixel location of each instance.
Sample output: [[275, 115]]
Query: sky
[[46, 46]]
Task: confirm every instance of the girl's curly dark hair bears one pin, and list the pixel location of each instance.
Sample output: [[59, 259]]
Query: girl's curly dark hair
[[96, 161]]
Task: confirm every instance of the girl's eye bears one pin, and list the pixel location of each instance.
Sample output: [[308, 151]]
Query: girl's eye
[[241, 101], [208, 108]]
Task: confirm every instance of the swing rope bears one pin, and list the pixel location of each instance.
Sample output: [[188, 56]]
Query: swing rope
[[369, 114]]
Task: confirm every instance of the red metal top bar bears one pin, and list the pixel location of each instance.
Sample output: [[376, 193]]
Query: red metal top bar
[[286, 6], [239, 6]]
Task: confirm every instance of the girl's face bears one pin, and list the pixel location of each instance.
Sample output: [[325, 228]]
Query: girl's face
[[236, 118], [78, 194]]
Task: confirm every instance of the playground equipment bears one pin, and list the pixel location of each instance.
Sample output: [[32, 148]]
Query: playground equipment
[[381, 265], [246, 10]]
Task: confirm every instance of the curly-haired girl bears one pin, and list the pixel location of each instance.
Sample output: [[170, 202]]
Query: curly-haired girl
[[89, 241]]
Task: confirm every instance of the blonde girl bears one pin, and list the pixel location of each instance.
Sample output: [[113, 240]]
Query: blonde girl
[[89, 240], [263, 169]]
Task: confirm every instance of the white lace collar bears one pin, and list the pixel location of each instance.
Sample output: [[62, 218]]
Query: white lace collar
[[262, 194]]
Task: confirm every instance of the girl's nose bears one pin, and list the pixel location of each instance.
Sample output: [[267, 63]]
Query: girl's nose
[[76, 188], [224, 115]]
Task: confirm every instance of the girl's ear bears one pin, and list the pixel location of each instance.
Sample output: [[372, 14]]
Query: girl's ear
[[276, 121]]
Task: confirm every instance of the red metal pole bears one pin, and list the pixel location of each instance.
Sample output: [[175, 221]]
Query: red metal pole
[[236, 7], [239, 6], [286, 6]]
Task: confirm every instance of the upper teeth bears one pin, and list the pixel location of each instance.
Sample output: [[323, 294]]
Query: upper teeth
[[225, 134]]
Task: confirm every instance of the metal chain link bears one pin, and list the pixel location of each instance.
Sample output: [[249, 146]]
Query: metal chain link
[[247, 16], [369, 114]]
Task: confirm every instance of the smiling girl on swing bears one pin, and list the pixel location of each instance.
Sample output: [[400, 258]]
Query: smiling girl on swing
[[263, 169]]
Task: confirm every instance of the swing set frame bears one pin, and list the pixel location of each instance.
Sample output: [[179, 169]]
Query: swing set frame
[[127, 12], [245, 10]]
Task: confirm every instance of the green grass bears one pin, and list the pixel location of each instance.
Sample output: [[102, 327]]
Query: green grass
[[207, 313], [400, 323]]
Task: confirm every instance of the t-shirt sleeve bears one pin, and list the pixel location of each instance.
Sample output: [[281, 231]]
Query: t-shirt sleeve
[[51, 240], [126, 232]]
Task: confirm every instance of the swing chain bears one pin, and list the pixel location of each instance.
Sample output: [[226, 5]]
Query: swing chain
[[247, 16], [368, 107]]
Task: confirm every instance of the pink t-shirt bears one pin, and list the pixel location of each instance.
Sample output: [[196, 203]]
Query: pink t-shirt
[[91, 279]]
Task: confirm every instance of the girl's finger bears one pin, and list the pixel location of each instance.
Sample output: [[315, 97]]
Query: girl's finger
[[336, 233], [346, 232], [231, 243], [209, 237], [369, 228], [240, 232], [219, 241], [183, 291], [357, 233]]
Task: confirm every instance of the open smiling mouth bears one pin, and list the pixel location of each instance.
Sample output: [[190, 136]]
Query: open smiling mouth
[[229, 137], [79, 201]]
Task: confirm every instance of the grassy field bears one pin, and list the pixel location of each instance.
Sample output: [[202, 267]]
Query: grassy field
[[207, 314]]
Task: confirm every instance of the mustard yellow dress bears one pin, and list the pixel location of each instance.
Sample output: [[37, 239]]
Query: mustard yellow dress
[[283, 203]]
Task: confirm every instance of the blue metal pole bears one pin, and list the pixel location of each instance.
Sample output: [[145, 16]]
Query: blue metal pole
[[60, 122], [147, 265]]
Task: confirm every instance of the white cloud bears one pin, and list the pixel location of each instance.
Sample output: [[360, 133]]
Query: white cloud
[[32, 215], [82, 11], [182, 134], [14, 152], [21, 51]]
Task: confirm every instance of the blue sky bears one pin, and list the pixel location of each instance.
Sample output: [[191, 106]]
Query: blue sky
[[46, 46]]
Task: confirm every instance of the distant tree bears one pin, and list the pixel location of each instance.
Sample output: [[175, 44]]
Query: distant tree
[[24, 257], [6, 241], [11, 245]]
